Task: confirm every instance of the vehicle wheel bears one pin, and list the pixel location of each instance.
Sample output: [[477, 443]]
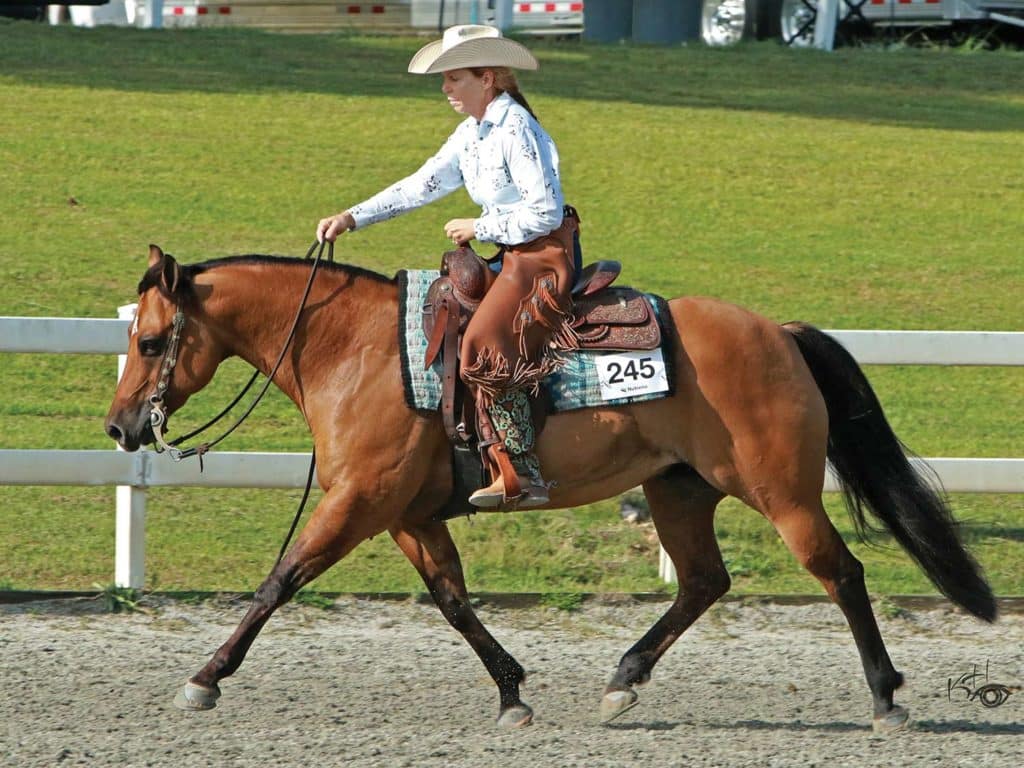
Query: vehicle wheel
[[727, 22], [796, 22], [769, 12], [26, 10]]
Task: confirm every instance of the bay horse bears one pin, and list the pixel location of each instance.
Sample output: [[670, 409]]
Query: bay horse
[[757, 408]]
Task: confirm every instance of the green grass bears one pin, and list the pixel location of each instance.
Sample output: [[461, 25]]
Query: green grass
[[63, 538], [860, 189]]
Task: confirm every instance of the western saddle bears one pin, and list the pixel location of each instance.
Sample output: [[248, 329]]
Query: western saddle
[[606, 318]]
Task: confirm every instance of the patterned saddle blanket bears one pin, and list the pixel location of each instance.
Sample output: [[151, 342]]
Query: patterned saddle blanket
[[588, 379]]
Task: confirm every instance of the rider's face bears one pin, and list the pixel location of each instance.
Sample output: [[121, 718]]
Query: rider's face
[[467, 93]]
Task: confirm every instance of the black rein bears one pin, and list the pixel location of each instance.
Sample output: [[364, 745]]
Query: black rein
[[203, 448]]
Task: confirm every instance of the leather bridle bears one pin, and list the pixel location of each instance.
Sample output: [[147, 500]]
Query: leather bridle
[[158, 415]]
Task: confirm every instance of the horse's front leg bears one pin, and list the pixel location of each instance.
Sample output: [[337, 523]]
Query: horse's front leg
[[432, 552], [331, 533]]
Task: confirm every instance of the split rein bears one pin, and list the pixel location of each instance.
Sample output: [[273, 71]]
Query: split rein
[[158, 416]]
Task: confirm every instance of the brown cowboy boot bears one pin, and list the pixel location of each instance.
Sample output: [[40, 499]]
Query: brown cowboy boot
[[511, 419], [533, 489]]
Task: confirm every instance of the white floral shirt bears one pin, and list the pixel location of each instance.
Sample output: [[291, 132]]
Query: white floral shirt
[[509, 166]]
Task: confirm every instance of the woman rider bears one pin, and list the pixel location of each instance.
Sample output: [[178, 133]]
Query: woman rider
[[509, 166]]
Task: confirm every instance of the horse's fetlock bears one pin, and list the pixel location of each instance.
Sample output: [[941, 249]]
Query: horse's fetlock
[[511, 672], [885, 682], [634, 669]]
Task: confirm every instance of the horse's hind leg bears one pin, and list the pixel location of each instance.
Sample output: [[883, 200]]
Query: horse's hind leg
[[331, 533], [683, 508], [432, 552], [813, 539]]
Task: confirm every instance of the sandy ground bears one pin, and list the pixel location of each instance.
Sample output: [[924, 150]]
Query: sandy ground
[[384, 683]]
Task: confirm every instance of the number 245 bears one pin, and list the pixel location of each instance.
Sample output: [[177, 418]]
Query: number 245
[[619, 374]]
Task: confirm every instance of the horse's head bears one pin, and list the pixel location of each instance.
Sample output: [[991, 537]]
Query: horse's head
[[168, 359]]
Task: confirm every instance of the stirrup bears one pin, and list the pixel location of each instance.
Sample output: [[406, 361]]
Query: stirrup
[[534, 495], [493, 496]]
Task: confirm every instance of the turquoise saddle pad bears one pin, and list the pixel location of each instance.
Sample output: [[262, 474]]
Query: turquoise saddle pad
[[575, 385]]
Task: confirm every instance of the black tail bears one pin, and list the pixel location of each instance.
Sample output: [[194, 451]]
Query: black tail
[[874, 473]]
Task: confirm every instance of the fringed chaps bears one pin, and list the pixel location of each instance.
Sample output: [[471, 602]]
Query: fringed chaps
[[524, 322]]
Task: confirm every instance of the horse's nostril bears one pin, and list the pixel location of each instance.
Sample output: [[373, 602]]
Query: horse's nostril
[[115, 432]]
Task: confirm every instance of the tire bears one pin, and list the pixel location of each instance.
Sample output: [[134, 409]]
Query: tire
[[727, 22], [28, 11], [796, 22], [769, 15]]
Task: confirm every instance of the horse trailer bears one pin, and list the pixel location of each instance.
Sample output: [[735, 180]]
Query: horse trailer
[[726, 22], [564, 17]]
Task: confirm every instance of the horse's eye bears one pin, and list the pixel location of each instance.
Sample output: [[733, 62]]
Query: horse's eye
[[151, 346]]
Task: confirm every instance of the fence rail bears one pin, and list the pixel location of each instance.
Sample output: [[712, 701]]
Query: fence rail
[[102, 336], [250, 469], [135, 472]]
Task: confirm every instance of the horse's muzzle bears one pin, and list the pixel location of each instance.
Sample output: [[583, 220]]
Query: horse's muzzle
[[130, 433]]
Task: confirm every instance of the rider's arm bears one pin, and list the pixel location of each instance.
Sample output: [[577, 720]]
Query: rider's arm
[[439, 176]]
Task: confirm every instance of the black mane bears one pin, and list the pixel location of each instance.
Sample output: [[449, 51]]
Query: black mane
[[152, 277]]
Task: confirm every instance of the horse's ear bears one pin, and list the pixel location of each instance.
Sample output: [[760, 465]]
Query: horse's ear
[[167, 275], [170, 274]]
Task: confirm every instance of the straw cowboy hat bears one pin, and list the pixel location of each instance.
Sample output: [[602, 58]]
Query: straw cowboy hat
[[471, 45]]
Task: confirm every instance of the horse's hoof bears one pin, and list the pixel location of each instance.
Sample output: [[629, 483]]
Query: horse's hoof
[[615, 703], [194, 697], [517, 716], [893, 720]]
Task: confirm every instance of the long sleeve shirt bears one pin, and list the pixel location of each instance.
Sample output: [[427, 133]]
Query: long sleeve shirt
[[509, 166]]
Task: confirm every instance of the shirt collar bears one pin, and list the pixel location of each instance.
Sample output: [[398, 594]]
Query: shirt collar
[[495, 113]]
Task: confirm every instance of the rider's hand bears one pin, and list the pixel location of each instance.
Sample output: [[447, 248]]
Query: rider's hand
[[460, 231], [328, 229]]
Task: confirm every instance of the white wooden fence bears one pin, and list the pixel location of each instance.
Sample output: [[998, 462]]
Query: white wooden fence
[[134, 473]]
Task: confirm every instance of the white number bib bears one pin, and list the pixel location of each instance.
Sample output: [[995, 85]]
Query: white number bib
[[625, 374]]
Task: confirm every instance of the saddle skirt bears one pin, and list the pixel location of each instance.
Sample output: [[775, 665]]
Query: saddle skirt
[[607, 320], [616, 319]]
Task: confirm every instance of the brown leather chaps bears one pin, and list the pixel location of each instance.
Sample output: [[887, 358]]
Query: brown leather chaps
[[524, 320]]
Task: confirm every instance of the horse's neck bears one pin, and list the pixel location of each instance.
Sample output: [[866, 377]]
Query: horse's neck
[[253, 307]]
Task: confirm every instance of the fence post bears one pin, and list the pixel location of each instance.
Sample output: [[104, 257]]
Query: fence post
[[154, 14], [130, 535], [503, 11], [825, 24], [666, 568]]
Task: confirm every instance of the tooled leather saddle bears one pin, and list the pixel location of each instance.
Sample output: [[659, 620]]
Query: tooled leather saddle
[[606, 318]]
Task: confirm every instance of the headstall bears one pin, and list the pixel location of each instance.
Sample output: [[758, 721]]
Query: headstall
[[158, 415]]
